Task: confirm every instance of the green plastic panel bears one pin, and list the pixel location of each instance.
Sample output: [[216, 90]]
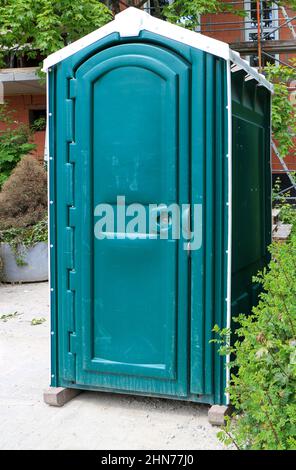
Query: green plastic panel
[[209, 265], [146, 118], [129, 142], [251, 216]]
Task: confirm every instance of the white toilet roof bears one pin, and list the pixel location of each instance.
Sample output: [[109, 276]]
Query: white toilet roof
[[131, 21]]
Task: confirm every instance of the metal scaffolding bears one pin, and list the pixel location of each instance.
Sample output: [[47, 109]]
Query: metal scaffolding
[[265, 46], [260, 40]]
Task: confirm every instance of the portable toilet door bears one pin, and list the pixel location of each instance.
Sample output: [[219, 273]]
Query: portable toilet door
[[139, 121]]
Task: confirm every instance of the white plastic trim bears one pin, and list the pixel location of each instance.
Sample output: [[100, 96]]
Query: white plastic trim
[[229, 244], [46, 146], [130, 22], [249, 77], [235, 68], [48, 204], [243, 64]]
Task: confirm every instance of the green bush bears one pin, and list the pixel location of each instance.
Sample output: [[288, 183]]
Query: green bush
[[20, 239], [23, 199], [280, 201], [264, 357], [15, 142], [23, 207]]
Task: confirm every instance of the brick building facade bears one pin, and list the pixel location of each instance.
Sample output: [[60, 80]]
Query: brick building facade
[[23, 93], [236, 30]]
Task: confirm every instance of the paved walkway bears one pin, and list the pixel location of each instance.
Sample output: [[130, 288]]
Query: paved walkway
[[91, 420]]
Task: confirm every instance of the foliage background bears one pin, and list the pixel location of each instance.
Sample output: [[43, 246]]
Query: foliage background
[[23, 199], [15, 142], [262, 389], [32, 27]]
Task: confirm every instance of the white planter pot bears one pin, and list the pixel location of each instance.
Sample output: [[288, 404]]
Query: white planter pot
[[35, 269]]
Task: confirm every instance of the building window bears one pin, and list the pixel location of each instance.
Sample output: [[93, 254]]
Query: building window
[[155, 8], [269, 20], [37, 119]]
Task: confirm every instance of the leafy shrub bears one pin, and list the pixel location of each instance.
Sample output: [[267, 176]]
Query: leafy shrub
[[280, 201], [187, 13], [263, 389], [20, 239], [23, 199], [283, 110], [33, 28], [15, 142]]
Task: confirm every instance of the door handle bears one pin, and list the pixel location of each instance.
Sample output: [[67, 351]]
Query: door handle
[[186, 223], [162, 220]]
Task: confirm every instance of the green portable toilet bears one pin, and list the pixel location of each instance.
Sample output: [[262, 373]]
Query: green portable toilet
[[143, 115]]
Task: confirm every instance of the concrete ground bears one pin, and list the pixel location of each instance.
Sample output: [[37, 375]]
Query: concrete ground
[[91, 420]]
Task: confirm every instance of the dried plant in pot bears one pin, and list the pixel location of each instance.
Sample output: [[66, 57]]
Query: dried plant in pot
[[23, 223]]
